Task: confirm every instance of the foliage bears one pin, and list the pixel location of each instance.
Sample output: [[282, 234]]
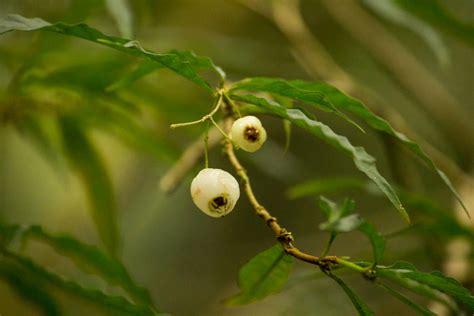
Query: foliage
[[263, 275], [15, 266], [362, 160], [65, 137]]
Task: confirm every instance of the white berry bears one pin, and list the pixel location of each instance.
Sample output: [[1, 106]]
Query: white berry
[[215, 192], [248, 133]]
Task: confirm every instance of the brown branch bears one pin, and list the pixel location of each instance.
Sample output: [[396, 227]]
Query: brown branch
[[282, 234]]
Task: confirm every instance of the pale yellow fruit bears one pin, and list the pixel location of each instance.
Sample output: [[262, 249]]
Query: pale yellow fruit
[[248, 133], [215, 192]]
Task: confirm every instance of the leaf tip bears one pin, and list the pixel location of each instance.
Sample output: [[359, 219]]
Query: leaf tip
[[234, 300], [404, 214], [468, 214]]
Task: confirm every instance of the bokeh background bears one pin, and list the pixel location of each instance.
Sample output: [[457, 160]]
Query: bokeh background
[[418, 76]]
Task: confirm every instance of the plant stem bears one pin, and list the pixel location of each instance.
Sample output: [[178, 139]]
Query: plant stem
[[328, 245], [226, 136], [206, 146], [284, 236], [235, 108], [206, 117], [351, 265]]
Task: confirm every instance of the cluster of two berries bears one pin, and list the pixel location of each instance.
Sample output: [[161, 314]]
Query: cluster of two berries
[[215, 191]]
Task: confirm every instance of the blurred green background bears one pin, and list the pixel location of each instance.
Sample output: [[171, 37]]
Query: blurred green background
[[187, 260]]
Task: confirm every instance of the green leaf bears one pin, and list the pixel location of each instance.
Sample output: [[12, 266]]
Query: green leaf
[[343, 225], [376, 239], [330, 208], [326, 185], [406, 275], [435, 12], [341, 220], [19, 23], [87, 257], [142, 70], [356, 107], [362, 160], [436, 221], [421, 289], [120, 12], [286, 88], [87, 163], [29, 289], [339, 217], [184, 63], [358, 303], [90, 258], [263, 275], [389, 10], [116, 304], [405, 299]]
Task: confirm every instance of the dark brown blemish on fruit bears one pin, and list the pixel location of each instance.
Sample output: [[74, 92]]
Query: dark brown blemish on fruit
[[219, 204], [219, 201], [251, 134]]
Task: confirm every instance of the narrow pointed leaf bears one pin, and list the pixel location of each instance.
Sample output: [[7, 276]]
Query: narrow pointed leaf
[[29, 290], [86, 161], [404, 273], [362, 160], [419, 288], [339, 216], [320, 90], [89, 258], [184, 63], [347, 207], [376, 239], [263, 275], [356, 107], [405, 299], [117, 304], [362, 308], [286, 88], [330, 208], [19, 23], [343, 225]]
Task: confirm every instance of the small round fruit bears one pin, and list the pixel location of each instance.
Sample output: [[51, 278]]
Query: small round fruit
[[215, 192], [248, 133]]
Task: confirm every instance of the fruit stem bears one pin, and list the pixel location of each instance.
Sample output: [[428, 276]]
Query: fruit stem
[[206, 117], [206, 146]]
